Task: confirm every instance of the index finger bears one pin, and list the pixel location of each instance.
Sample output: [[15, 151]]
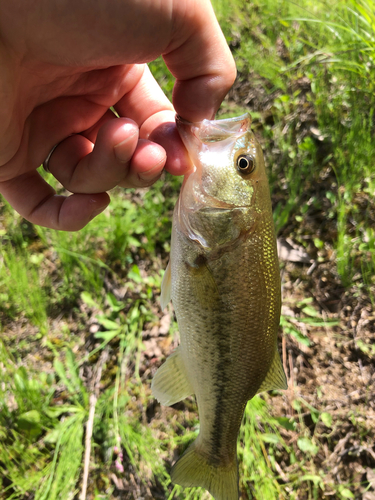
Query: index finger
[[148, 106]]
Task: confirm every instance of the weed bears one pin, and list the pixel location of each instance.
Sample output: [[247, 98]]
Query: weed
[[20, 287]]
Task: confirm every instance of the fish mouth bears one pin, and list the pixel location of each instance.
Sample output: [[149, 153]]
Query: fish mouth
[[221, 210], [208, 131]]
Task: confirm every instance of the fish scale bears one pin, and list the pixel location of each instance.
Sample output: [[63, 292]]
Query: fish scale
[[224, 282]]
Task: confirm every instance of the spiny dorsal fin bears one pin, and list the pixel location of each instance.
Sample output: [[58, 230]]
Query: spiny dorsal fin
[[166, 284], [170, 383], [275, 378]]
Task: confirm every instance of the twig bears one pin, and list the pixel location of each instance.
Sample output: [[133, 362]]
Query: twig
[[90, 422], [265, 454], [284, 357], [89, 429], [357, 450], [338, 448], [312, 268], [282, 474], [291, 374]]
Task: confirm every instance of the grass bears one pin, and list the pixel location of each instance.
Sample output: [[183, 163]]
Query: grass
[[79, 314]]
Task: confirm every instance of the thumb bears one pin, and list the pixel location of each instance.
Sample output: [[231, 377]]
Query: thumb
[[200, 59]]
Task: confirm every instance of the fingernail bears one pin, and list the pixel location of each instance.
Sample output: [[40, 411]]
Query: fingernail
[[153, 174], [121, 149]]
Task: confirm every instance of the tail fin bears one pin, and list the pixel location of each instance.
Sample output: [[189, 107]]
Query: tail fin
[[192, 469]]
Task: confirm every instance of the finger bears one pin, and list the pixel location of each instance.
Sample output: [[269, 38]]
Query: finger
[[161, 129], [84, 168], [144, 99], [37, 202], [85, 107], [146, 165], [147, 105], [200, 59], [92, 132]]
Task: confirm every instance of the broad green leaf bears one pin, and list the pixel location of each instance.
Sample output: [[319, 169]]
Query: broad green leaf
[[88, 300], [344, 492], [303, 302], [60, 370], [307, 446], [29, 423], [270, 438], [326, 419], [114, 303], [56, 411], [108, 323], [107, 335], [290, 329], [52, 436], [310, 311], [29, 420], [311, 477], [135, 275], [318, 322], [133, 241], [72, 369], [287, 423]]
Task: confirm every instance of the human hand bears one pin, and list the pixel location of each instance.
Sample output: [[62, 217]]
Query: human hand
[[64, 64]]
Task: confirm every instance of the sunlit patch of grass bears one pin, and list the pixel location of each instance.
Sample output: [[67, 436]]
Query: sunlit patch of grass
[[24, 403], [345, 104], [22, 286], [60, 477], [351, 25], [353, 166], [260, 445], [35, 426]]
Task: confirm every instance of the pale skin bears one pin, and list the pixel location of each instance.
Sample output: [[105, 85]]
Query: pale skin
[[65, 63]]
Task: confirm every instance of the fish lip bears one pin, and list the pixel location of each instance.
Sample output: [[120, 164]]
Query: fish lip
[[229, 208], [223, 123], [214, 130]]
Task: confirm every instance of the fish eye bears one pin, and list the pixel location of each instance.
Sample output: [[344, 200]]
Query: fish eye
[[245, 164]]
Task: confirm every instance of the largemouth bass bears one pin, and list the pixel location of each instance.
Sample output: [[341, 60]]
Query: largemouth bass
[[224, 281]]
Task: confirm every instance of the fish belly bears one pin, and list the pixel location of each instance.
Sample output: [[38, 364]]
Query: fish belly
[[228, 307]]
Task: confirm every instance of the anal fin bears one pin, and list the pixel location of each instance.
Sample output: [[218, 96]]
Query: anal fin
[[275, 378], [170, 383]]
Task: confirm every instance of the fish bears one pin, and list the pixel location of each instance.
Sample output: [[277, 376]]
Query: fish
[[224, 282]]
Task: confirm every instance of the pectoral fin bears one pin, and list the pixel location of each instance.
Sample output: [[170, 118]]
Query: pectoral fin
[[275, 378], [203, 282], [170, 383], [166, 284]]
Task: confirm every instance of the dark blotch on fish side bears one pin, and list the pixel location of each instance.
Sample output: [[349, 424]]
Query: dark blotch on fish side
[[223, 368]]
